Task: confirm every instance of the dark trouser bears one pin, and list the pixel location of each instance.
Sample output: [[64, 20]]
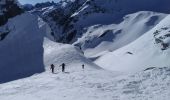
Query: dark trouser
[[63, 69], [52, 70]]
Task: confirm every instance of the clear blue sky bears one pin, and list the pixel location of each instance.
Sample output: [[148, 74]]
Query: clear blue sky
[[34, 1]]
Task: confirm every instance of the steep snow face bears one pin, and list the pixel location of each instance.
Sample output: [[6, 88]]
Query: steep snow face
[[150, 50], [21, 51], [101, 38]]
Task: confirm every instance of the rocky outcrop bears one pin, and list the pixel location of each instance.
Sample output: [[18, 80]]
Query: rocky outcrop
[[9, 9]]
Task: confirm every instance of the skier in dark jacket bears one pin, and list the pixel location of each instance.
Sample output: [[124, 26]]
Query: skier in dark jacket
[[52, 68], [63, 67]]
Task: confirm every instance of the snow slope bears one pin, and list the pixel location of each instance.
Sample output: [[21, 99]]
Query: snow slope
[[100, 38], [57, 53], [150, 50], [92, 83], [21, 52], [153, 84]]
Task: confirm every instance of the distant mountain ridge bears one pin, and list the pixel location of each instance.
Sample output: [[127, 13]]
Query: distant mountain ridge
[[68, 19]]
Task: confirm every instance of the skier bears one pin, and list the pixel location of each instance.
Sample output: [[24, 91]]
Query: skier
[[63, 67], [83, 66], [52, 68]]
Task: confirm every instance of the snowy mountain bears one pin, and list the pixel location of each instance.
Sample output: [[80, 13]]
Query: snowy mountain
[[105, 38], [69, 20], [78, 22], [150, 50], [124, 46]]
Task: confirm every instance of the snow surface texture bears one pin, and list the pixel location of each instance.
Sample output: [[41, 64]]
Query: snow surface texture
[[21, 52], [151, 84]]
